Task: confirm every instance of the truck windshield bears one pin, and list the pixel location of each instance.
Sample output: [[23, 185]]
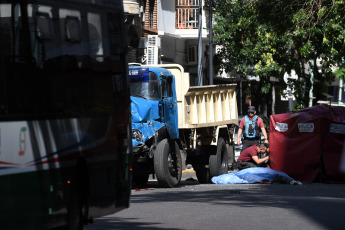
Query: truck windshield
[[146, 87]]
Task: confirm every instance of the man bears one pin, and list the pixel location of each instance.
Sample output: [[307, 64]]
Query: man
[[252, 157], [250, 126]]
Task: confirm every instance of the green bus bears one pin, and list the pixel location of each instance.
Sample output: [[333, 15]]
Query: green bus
[[65, 134]]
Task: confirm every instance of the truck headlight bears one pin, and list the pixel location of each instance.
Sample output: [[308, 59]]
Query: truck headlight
[[137, 135]]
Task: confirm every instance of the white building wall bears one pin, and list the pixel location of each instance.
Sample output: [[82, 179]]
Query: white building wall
[[168, 49], [175, 41], [166, 16]]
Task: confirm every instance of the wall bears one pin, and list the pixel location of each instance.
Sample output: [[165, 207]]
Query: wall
[[166, 16]]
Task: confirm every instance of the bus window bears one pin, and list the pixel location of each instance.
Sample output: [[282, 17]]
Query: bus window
[[43, 33], [5, 28], [73, 31], [41, 17], [115, 34], [95, 33], [45, 26]]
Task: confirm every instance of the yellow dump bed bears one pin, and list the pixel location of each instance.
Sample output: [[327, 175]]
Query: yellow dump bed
[[203, 106]]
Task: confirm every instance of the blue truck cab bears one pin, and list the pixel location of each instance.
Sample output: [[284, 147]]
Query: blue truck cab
[[155, 131]]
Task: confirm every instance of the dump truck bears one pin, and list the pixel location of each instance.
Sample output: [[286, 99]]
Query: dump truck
[[175, 125]]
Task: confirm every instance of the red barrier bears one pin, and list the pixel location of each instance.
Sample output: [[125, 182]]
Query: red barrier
[[333, 146], [303, 144]]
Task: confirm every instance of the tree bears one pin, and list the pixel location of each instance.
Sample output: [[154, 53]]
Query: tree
[[269, 38]]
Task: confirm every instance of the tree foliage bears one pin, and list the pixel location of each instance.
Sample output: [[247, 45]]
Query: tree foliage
[[269, 38]]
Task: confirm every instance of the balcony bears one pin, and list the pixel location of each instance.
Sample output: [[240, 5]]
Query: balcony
[[187, 14], [131, 7]]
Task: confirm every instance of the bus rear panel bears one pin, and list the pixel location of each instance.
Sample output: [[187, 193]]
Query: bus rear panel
[[64, 113]]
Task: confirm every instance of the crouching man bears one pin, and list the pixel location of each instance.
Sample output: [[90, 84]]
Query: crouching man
[[254, 156]]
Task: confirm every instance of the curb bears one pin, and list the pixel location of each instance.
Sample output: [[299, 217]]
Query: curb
[[188, 171]]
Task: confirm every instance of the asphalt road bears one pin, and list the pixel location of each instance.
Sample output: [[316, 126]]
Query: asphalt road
[[247, 206]]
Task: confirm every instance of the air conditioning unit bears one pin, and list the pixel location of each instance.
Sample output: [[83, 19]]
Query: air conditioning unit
[[152, 55], [192, 54], [153, 40]]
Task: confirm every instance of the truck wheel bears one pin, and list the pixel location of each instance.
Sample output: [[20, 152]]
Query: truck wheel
[[140, 180], [202, 173], [168, 163], [231, 154], [75, 211], [219, 162]]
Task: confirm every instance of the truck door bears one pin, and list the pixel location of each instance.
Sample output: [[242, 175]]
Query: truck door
[[170, 106]]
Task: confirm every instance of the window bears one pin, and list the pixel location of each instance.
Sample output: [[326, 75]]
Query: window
[[167, 88], [151, 10], [45, 26], [95, 36], [187, 16], [192, 54], [114, 29], [73, 31]]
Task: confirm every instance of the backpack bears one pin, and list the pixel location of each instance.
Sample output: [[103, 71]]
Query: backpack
[[251, 127]]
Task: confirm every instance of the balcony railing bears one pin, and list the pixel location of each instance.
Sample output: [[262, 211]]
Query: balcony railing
[[187, 14]]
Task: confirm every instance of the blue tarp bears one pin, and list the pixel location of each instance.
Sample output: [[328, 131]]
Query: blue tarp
[[254, 175]]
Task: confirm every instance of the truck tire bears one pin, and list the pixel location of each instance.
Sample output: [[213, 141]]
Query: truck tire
[[168, 163], [200, 163], [202, 173], [140, 180], [219, 162], [78, 198], [231, 155], [74, 220]]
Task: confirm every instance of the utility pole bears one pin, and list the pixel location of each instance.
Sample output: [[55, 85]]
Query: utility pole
[[290, 96], [341, 87], [210, 55], [200, 83], [311, 65]]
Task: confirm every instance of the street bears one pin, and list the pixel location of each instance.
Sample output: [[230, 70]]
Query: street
[[246, 206]]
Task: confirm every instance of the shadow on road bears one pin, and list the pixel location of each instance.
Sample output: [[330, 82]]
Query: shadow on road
[[323, 204], [113, 223]]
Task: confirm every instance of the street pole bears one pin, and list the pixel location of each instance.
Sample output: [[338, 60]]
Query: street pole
[[210, 55], [311, 64], [340, 89], [290, 96], [341, 85], [241, 97], [273, 99], [200, 46]]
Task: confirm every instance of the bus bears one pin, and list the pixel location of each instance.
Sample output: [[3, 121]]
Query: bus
[[65, 134]]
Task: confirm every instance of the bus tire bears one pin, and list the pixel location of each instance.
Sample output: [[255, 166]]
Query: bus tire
[[219, 162], [168, 163]]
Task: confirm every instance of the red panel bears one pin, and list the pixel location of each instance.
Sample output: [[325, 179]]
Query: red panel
[[295, 143], [332, 153], [297, 155]]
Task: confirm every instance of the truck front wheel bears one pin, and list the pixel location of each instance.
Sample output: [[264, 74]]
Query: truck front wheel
[[219, 162], [168, 163]]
